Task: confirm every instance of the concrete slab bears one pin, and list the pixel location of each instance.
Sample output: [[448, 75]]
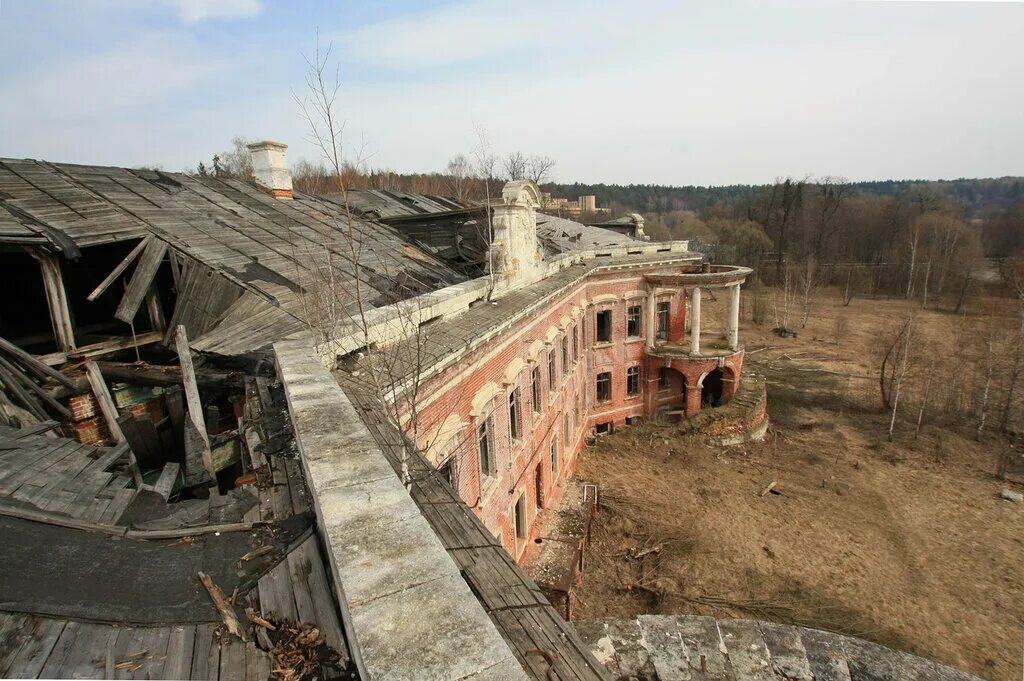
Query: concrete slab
[[435, 630], [385, 558], [410, 612]]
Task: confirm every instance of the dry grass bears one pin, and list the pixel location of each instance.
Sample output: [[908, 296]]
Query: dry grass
[[903, 543]]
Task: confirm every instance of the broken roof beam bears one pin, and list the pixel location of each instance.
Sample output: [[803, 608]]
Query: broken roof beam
[[195, 406], [56, 298], [34, 365], [142, 279], [38, 390], [112, 277], [105, 401]]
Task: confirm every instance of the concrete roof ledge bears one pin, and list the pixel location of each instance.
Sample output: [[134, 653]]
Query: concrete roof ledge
[[407, 610]]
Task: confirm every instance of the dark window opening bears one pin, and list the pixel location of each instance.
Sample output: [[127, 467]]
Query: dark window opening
[[604, 326], [535, 387], [633, 325], [663, 383], [447, 471], [603, 428], [513, 414], [521, 528], [554, 455], [576, 343], [565, 354], [633, 380], [485, 445], [604, 387], [663, 309], [552, 374], [538, 481]]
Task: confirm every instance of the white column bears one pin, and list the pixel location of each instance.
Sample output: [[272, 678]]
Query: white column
[[652, 306], [695, 321], [732, 329]]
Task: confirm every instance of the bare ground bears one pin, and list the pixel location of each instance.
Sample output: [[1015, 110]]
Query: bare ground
[[903, 543]]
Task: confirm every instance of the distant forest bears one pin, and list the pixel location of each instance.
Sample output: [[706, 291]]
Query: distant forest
[[933, 239], [975, 196]]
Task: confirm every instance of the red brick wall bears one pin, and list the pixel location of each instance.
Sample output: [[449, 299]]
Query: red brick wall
[[452, 392]]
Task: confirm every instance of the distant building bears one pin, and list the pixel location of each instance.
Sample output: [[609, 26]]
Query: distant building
[[583, 204]]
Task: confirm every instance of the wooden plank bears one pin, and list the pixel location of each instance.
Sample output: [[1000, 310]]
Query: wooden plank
[[122, 266], [232, 660], [56, 299], [42, 393], [12, 382], [205, 653], [15, 631], [103, 398], [165, 483], [142, 279], [31, 657], [180, 645], [62, 651], [155, 309], [195, 405], [93, 652], [34, 365]]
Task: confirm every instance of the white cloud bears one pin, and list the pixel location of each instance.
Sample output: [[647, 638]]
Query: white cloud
[[192, 11]]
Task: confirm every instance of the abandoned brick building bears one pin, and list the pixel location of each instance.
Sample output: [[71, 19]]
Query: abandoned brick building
[[343, 413]]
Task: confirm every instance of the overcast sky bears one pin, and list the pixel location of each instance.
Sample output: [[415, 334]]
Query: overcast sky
[[645, 92]]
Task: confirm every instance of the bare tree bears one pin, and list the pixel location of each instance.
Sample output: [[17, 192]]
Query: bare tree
[[808, 281], [514, 165], [486, 163], [538, 168], [900, 373], [458, 173]]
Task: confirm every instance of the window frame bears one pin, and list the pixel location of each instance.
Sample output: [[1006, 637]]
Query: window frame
[[664, 383], [554, 455], [662, 316], [536, 389], [552, 374], [604, 377], [515, 422], [519, 517], [634, 375], [634, 321], [604, 332], [565, 354], [486, 460]]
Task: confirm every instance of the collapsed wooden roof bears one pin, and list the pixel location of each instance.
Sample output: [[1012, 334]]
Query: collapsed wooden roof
[[272, 251]]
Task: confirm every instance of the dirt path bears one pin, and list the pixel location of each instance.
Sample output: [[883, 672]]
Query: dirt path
[[903, 543]]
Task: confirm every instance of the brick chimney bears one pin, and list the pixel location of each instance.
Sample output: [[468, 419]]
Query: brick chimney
[[270, 169]]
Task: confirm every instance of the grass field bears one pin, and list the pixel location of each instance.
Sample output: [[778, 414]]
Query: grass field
[[905, 543]]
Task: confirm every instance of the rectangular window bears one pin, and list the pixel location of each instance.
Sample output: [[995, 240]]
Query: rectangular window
[[633, 381], [535, 386], [485, 445], [603, 428], [513, 414], [554, 455], [604, 387], [663, 309], [604, 326], [565, 430], [663, 378], [552, 375], [447, 471], [576, 343], [565, 354], [633, 316], [521, 516]]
